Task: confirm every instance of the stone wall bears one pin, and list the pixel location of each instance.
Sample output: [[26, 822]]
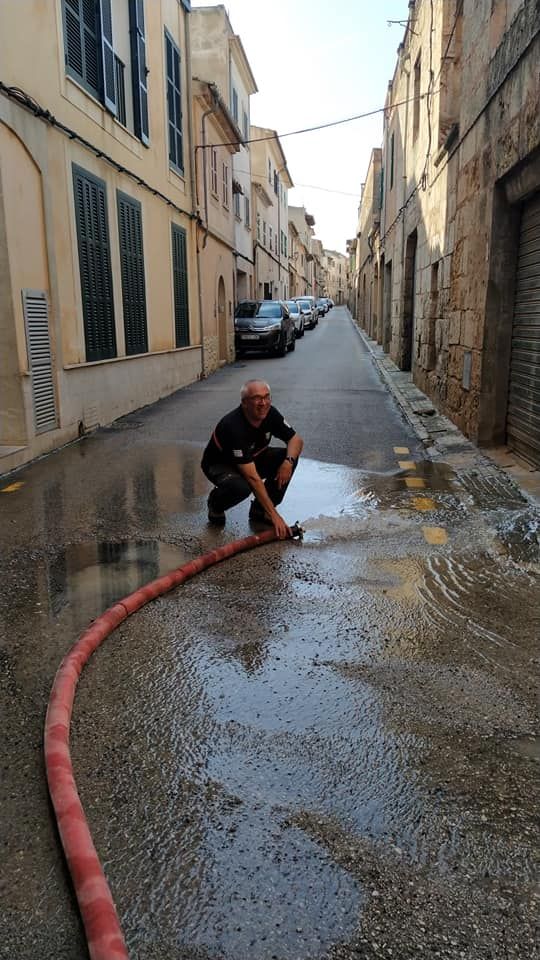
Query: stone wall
[[450, 227]]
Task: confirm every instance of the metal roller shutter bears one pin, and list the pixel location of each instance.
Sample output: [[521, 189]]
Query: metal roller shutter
[[523, 418]]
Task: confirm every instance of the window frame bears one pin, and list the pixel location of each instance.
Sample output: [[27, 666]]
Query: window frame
[[174, 92]]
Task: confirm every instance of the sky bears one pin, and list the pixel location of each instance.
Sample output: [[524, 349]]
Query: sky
[[315, 62]]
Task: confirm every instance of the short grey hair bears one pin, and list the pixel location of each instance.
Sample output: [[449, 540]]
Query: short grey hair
[[245, 389]]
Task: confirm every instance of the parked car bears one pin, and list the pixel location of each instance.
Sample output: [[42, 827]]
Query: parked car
[[263, 326], [313, 301], [322, 305], [298, 317], [309, 312]]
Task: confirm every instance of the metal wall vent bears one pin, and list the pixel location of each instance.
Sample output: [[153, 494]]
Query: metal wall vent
[[36, 318]]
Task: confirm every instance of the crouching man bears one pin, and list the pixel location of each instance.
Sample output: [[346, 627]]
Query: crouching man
[[239, 460]]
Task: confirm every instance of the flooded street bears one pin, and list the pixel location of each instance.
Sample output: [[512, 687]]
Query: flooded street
[[317, 750]]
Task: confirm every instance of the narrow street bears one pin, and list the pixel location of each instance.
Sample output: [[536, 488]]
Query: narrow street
[[326, 749]]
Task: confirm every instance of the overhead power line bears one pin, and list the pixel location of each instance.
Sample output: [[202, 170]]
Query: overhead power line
[[319, 126]]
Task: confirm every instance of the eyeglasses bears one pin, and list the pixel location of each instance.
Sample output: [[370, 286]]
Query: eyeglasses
[[260, 398]]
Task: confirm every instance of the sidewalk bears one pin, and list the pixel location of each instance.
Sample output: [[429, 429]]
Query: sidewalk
[[442, 439]]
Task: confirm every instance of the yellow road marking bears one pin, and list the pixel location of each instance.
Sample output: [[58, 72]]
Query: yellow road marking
[[415, 481], [423, 503], [406, 465], [12, 487], [401, 450], [435, 535]]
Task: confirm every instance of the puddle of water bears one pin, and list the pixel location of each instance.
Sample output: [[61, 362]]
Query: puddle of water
[[89, 577]]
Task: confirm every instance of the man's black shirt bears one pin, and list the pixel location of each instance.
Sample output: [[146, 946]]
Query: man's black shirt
[[235, 440]]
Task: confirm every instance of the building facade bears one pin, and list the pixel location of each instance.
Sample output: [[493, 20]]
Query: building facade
[[217, 55], [459, 248], [98, 300], [303, 223], [336, 267], [218, 141], [271, 182]]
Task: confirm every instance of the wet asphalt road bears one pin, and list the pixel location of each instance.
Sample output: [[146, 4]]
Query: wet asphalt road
[[317, 750]]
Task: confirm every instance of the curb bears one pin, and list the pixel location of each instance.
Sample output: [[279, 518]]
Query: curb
[[440, 437]]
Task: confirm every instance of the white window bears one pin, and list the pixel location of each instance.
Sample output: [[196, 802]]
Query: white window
[[213, 171], [225, 185]]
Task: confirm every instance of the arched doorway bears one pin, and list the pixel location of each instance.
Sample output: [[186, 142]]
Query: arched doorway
[[222, 321]]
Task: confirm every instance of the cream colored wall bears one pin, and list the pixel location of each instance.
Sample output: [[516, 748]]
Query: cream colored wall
[[36, 180], [216, 252]]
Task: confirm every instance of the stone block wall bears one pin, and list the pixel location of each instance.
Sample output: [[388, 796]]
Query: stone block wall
[[458, 338]]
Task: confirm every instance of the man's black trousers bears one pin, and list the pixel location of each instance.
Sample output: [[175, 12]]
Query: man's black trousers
[[231, 488]]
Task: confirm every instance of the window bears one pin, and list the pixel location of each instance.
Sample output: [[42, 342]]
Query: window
[[269, 171], [91, 59], [138, 59], [416, 104], [132, 271], [276, 183], [235, 105], [82, 44], [174, 104], [90, 199], [225, 184], [237, 205], [391, 161], [264, 232], [258, 226], [180, 287], [213, 171], [246, 212], [270, 236], [245, 125], [120, 90]]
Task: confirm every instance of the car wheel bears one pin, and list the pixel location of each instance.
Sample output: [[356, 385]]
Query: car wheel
[[281, 348], [301, 331], [292, 344]]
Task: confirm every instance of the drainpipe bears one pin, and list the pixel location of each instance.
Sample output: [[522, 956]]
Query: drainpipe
[[205, 192], [195, 192]]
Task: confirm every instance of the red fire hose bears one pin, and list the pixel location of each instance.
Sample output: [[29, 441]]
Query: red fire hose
[[103, 931]]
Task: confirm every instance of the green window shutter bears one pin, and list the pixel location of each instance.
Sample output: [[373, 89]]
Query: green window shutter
[[94, 265], [81, 43], [107, 55], [174, 104], [132, 269], [180, 286], [139, 71]]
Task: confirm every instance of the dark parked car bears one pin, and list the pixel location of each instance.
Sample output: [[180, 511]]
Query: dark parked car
[[323, 305], [309, 311], [265, 326]]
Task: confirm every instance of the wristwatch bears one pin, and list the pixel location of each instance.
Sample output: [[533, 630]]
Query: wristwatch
[[292, 461]]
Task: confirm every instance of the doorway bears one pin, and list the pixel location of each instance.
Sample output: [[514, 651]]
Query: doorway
[[409, 298], [222, 321]]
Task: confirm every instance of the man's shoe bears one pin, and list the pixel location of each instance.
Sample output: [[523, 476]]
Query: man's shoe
[[215, 517], [257, 514]]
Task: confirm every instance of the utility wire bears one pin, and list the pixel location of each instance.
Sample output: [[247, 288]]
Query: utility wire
[[320, 126]]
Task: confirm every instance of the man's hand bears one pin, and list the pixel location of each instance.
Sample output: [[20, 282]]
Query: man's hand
[[284, 474], [281, 529]]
